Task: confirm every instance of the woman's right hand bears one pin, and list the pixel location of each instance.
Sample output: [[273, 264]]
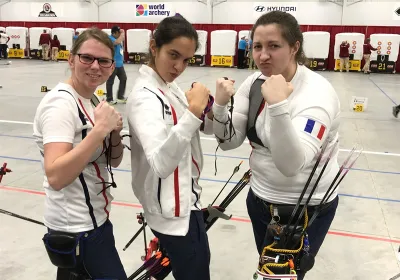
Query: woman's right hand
[[197, 98], [106, 118], [225, 90]]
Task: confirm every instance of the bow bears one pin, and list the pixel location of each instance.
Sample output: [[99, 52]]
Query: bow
[[4, 170], [156, 262]]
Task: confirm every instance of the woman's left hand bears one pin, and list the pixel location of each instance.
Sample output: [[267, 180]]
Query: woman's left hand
[[275, 89]]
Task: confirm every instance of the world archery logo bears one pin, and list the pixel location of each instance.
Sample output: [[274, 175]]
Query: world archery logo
[[142, 10]]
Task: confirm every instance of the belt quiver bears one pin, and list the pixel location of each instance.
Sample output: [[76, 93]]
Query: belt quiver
[[63, 248], [287, 250]]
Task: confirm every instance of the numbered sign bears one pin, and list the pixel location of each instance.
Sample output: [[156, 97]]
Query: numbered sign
[[197, 60], [317, 64], [100, 92], [382, 65], [35, 54], [359, 108], [220, 60], [15, 53], [138, 58], [63, 55], [354, 65], [43, 89], [359, 104]]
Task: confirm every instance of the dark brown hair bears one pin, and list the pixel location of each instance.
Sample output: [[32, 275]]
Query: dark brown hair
[[171, 28], [93, 33], [290, 30]]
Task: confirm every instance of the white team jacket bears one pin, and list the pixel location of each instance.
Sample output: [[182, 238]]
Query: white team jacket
[[292, 133], [165, 151]]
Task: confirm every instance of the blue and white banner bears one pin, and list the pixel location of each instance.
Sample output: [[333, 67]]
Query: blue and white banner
[[260, 8], [154, 9]]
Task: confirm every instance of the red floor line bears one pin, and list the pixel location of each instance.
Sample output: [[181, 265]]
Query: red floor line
[[243, 220]]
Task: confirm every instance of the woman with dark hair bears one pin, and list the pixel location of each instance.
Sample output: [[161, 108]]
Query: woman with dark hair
[[166, 158], [288, 113], [55, 46]]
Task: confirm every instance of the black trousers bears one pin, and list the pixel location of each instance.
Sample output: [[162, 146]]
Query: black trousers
[[260, 217], [190, 254], [241, 59], [100, 257], [3, 49], [121, 74]]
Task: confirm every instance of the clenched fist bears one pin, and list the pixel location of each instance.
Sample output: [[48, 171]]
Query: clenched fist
[[107, 118], [120, 124], [197, 98], [225, 90], [275, 89]]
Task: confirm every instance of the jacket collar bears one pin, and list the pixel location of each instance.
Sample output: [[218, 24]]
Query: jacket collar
[[166, 88], [153, 77], [297, 75]]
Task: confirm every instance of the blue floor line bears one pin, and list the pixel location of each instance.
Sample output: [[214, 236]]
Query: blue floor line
[[225, 156], [382, 91], [17, 136], [216, 180]]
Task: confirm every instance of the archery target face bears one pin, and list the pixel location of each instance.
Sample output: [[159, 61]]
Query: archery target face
[[387, 44], [356, 41]]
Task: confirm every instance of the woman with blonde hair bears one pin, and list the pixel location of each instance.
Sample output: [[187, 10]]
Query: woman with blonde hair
[[79, 139]]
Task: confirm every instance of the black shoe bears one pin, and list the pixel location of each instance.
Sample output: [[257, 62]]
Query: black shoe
[[395, 111]]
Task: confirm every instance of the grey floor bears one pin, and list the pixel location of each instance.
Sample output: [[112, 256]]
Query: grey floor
[[363, 240]]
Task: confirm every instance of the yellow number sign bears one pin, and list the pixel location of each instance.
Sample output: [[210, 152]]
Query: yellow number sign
[[382, 66], [220, 60], [63, 55], [16, 53], [359, 108], [354, 65], [313, 63]]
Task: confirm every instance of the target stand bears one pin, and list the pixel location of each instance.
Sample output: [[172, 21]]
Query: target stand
[[382, 65]]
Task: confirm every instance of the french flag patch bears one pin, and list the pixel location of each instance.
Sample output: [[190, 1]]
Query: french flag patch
[[316, 129]]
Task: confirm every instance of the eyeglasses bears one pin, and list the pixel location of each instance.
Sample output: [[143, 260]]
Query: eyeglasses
[[89, 59]]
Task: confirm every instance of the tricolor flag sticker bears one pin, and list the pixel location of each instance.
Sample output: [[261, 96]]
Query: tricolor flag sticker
[[316, 129]]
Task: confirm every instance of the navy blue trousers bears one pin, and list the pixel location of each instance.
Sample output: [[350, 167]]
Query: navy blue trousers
[[190, 254], [100, 257], [260, 217]]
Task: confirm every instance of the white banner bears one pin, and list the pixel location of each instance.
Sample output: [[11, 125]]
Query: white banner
[[154, 9], [47, 10], [260, 8], [396, 11]]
